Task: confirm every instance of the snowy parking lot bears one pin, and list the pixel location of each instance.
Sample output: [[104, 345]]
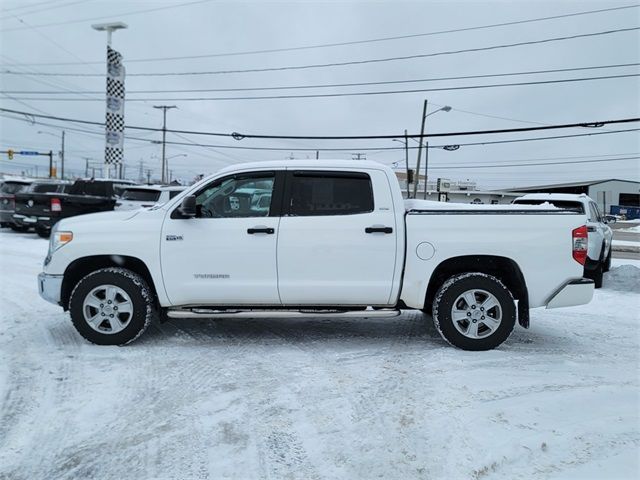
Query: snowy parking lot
[[317, 398]]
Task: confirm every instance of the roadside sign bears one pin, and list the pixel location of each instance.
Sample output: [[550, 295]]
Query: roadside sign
[[27, 152]]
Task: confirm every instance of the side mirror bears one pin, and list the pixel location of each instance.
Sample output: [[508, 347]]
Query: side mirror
[[188, 207], [610, 219]]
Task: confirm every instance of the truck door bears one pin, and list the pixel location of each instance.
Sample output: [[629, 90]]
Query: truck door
[[337, 241], [226, 255]]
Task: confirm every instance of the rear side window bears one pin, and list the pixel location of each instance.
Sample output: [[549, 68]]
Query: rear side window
[[99, 189], [330, 193], [44, 187], [141, 195], [173, 193], [13, 187]]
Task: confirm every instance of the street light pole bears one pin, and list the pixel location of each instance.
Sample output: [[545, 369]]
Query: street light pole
[[164, 139], [445, 108], [424, 118]]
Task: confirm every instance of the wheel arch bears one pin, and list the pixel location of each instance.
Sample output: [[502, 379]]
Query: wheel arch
[[83, 266], [503, 268]]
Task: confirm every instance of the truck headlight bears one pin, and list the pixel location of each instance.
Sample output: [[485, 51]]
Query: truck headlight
[[59, 239]]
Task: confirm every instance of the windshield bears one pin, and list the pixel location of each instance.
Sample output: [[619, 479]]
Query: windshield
[[13, 187], [564, 204], [141, 195]]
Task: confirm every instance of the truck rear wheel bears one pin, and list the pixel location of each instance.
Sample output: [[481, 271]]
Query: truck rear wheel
[[474, 311], [112, 306]]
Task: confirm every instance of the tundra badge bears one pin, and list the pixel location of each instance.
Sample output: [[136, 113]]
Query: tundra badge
[[173, 238]]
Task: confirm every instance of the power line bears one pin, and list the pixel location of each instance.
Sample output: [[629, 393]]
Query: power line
[[314, 148], [239, 136], [358, 42], [532, 164], [82, 20], [345, 94], [50, 7], [341, 64], [330, 85]]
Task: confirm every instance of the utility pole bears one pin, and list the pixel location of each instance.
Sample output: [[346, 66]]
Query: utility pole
[[148, 176], [141, 172], [164, 139], [62, 158], [426, 167], [424, 117], [50, 164], [406, 160], [86, 166]]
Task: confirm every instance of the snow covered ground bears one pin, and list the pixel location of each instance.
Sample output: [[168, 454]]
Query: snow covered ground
[[321, 398]]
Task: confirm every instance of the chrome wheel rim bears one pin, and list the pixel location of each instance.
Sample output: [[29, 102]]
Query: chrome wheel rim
[[476, 313], [107, 309]]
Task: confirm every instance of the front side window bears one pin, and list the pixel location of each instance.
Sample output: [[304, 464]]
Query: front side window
[[330, 193], [141, 195], [238, 196]]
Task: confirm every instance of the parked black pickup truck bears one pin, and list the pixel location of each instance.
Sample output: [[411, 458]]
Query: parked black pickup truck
[[84, 196], [35, 204]]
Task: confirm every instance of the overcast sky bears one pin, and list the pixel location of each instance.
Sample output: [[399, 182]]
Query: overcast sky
[[38, 37]]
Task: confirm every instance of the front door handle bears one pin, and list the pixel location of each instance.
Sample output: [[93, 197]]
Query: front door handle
[[378, 229], [267, 230]]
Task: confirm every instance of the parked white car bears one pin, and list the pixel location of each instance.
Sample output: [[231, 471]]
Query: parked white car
[[600, 234], [336, 238], [139, 196]]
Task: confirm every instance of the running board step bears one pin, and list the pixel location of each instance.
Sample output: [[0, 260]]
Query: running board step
[[212, 313]]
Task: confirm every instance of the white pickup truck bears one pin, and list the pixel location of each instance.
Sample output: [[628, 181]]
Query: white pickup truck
[[311, 238]]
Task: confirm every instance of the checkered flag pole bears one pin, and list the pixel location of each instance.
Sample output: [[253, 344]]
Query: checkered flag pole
[[114, 121]]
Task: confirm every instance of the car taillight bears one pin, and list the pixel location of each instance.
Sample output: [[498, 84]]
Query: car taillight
[[56, 206], [580, 244]]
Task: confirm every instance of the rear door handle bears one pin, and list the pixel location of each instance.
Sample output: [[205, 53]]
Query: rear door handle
[[378, 229], [267, 230]]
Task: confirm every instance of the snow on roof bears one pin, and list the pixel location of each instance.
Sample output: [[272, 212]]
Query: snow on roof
[[555, 196], [432, 205], [308, 163]]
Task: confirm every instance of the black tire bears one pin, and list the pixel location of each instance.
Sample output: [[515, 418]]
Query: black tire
[[597, 274], [607, 262], [18, 228], [43, 232], [141, 296], [451, 291]]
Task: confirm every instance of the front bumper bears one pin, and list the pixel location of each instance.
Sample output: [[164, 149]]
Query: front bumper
[[50, 287], [574, 292]]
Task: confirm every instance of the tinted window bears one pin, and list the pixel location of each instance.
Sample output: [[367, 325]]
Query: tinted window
[[100, 189], [12, 187], [564, 204], [236, 196], [141, 195], [173, 193], [630, 199], [44, 187], [330, 193]]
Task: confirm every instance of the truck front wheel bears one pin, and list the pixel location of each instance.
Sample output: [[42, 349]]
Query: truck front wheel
[[474, 311], [112, 306]]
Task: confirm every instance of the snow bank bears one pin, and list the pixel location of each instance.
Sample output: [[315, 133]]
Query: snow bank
[[625, 278]]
